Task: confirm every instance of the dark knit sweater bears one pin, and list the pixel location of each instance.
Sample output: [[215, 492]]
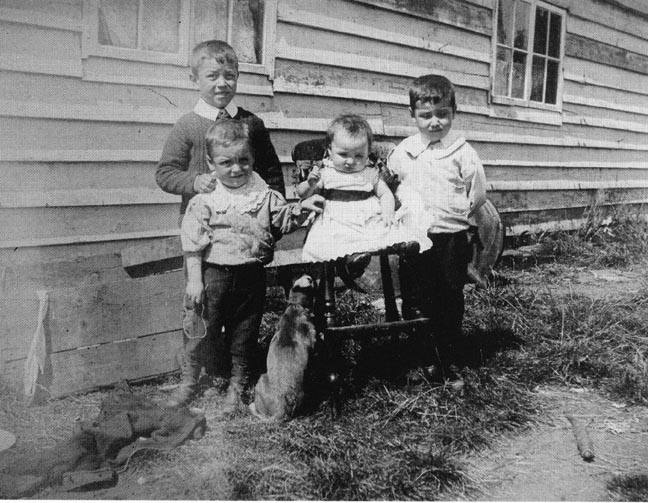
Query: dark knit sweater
[[183, 156]]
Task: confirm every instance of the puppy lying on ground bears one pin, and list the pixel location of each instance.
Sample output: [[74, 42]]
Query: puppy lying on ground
[[280, 391]]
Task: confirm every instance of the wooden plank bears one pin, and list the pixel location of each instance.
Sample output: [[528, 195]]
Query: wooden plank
[[69, 222], [86, 316], [613, 14], [83, 239], [107, 364], [538, 200], [603, 103], [455, 13], [374, 64], [563, 184], [83, 316], [567, 164], [605, 34], [367, 24], [74, 155], [46, 176], [85, 197], [598, 52], [595, 74], [624, 125], [33, 49], [42, 19]]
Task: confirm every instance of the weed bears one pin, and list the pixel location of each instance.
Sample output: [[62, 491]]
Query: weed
[[629, 487]]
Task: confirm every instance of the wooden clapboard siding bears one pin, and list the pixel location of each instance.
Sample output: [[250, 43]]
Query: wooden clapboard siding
[[597, 31]]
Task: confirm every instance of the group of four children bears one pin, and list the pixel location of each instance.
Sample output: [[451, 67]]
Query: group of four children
[[220, 159]]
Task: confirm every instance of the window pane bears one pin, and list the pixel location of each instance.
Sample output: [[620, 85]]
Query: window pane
[[247, 30], [502, 71], [554, 35], [521, 26], [519, 73], [160, 25], [537, 78], [118, 23], [210, 20], [540, 32], [552, 82], [504, 21]]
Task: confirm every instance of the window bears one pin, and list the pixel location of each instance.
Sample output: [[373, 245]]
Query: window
[[528, 42], [164, 31]]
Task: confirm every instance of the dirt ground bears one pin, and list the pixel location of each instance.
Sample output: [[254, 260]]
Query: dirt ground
[[541, 463]]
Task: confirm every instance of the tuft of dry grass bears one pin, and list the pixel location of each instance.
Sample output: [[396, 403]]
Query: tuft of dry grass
[[629, 487]]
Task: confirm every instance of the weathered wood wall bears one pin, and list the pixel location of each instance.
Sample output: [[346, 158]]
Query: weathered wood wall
[[81, 135]]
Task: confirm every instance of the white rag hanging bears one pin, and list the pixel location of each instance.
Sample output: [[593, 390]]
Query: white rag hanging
[[35, 363]]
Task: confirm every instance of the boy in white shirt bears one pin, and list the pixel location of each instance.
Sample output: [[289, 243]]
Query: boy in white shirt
[[442, 182]]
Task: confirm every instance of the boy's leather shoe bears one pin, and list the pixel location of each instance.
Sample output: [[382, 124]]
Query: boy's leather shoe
[[233, 403], [408, 248]]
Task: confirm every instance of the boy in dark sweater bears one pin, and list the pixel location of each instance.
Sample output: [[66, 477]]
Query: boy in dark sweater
[[183, 168]]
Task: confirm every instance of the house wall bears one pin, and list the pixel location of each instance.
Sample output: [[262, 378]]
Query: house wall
[[81, 136]]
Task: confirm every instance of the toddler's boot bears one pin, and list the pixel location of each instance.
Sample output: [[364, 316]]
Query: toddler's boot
[[234, 399], [187, 388]]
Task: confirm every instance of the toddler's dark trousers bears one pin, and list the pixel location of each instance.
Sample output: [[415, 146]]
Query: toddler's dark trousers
[[433, 281], [234, 298]]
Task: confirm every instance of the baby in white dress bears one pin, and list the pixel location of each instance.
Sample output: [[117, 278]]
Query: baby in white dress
[[359, 214]]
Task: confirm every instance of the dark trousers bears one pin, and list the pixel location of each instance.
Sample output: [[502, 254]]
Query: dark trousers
[[433, 281], [234, 298]]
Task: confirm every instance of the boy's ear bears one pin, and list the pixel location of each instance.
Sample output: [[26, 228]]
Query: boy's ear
[[411, 111], [193, 78]]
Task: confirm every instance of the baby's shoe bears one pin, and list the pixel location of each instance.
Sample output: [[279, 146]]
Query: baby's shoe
[[408, 248]]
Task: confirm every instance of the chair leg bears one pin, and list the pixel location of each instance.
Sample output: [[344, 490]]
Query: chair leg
[[331, 342], [391, 311]]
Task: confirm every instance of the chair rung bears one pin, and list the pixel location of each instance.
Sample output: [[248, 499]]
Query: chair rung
[[378, 329]]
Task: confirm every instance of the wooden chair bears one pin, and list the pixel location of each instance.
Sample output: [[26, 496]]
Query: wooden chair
[[307, 154]]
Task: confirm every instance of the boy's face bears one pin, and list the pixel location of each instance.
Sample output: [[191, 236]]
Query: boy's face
[[215, 82], [348, 153], [433, 120], [232, 165]]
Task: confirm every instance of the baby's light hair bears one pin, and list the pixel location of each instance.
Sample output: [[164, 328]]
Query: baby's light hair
[[353, 124], [432, 89], [213, 49], [225, 133]]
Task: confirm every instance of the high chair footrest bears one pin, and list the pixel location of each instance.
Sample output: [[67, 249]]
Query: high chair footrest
[[378, 329]]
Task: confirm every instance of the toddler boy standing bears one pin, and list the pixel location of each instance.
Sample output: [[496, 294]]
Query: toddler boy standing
[[442, 182]]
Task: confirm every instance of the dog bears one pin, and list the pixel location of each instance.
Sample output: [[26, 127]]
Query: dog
[[280, 391]]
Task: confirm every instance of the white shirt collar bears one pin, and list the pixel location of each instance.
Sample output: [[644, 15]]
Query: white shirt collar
[[417, 144], [210, 112]]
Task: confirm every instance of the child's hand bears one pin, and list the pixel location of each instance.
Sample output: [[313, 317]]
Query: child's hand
[[205, 182], [388, 219], [314, 203], [194, 291], [314, 175]]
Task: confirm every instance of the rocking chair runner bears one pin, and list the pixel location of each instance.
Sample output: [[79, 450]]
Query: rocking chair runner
[[487, 251]]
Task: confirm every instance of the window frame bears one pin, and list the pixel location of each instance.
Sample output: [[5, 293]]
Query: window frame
[[92, 47], [527, 102]]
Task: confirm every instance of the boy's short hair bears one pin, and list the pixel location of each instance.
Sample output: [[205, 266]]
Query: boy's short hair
[[432, 89], [353, 124], [213, 49], [225, 133]]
